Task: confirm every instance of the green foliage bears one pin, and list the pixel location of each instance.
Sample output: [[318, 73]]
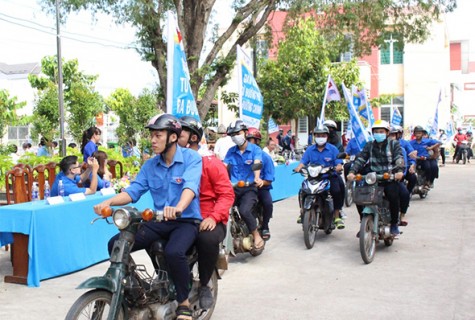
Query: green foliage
[[81, 102], [293, 86], [368, 23], [8, 107], [133, 112]]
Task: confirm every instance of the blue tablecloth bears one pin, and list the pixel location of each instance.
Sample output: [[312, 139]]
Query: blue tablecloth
[[61, 237], [286, 183]]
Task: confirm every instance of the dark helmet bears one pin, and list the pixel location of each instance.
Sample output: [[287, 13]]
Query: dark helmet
[[419, 129], [165, 122], [193, 125], [253, 133], [322, 129], [236, 126]]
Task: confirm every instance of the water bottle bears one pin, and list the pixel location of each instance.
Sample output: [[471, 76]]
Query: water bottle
[[61, 188], [47, 190], [35, 192]]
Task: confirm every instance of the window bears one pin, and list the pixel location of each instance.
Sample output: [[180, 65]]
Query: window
[[397, 102], [391, 53], [18, 135]]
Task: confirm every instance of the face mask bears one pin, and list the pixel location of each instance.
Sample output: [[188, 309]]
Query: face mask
[[379, 137], [239, 139], [320, 141]]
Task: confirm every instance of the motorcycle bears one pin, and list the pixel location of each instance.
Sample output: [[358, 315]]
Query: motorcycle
[[376, 220], [462, 153], [316, 202], [239, 238], [127, 290], [421, 186]]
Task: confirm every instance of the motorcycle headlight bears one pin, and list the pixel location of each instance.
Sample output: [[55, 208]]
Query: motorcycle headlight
[[371, 178], [314, 171], [121, 218]]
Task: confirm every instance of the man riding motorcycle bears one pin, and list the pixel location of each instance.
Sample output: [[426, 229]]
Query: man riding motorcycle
[[268, 176], [380, 156], [173, 179], [411, 155], [423, 146], [216, 198], [325, 154], [458, 139], [240, 159], [404, 194]]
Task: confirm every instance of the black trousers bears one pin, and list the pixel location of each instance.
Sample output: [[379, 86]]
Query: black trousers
[[265, 198], [247, 199], [404, 197], [337, 190], [431, 169], [208, 251], [442, 154], [180, 237], [411, 181]]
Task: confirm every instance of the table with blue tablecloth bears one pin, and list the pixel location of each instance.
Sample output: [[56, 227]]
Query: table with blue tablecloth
[[60, 238]]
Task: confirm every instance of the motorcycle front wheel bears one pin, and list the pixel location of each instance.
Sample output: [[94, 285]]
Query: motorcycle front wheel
[[367, 240], [94, 304], [310, 228]]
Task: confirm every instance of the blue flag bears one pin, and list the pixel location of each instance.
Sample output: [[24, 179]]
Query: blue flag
[[450, 130], [272, 126], [359, 131], [435, 124], [180, 100], [251, 103], [396, 118]]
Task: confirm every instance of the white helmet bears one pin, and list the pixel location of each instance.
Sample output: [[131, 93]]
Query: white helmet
[[381, 124], [330, 124]]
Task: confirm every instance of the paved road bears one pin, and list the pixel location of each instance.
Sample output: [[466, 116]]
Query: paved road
[[427, 274]]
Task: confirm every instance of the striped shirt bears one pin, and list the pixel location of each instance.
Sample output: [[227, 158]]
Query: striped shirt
[[381, 157]]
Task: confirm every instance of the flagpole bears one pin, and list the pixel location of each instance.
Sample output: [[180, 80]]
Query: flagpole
[[170, 51], [322, 113]]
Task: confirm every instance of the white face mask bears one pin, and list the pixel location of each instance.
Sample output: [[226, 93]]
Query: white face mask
[[239, 139], [320, 141]]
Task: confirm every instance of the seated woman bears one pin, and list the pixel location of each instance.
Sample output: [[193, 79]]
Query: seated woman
[[103, 174], [70, 176]]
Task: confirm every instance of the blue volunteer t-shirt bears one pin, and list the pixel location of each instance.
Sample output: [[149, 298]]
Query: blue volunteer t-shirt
[[241, 162], [70, 185], [327, 157], [268, 170], [422, 145]]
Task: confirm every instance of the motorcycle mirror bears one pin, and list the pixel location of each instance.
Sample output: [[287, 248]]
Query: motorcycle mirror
[[400, 162], [256, 166]]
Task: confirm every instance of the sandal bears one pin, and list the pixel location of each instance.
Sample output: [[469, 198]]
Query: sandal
[[402, 223], [265, 234], [183, 313], [339, 223], [255, 251]]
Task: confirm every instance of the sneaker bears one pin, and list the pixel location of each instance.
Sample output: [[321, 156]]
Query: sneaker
[[342, 215], [206, 297], [299, 220], [339, 223], [394, 230]]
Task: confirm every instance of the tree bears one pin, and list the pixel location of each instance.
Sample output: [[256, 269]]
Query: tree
[[133, 112], [8, 107], [366, 21], [194, 21], [364, 24], [294, 85], [81, 102]]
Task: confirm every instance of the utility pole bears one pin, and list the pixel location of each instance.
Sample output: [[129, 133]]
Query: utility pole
[[60, 83]]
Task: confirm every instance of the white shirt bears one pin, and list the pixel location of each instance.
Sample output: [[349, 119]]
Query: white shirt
[[271, 153], [222, 146]]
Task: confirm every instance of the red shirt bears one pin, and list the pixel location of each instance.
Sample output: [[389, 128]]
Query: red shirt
[[216, 191], [459, 137]]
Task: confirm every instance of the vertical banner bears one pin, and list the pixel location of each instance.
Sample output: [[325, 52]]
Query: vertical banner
[[450, 130], [434, 129], [251, 103], [396, 117], [272, 126], [359, 131], [180, 100], [331, 94]]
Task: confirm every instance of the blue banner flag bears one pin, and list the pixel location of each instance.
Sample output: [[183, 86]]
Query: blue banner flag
[[180, 100], [435, 123], [272, 126], [396, 117], [251, 103], [359, 131], [450, 130]]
